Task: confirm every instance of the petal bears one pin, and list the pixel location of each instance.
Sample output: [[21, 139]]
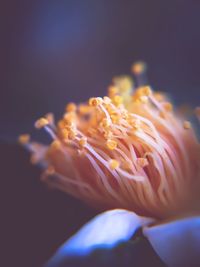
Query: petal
[[104, 231], [178, 242]]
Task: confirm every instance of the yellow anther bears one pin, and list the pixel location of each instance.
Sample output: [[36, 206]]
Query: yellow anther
[[162, 114], [71, 107], [143, 99], [61, 124], [135, 123], [24, 139], [147, 90], [95, 101], [142, 162], [143, 91], [115, 118], [117, 100], [159, 96], [42, 122], [167, 106], [69, 118], [123, 83], [83, 141], [105, 123], [64, 133], [111, 144], [186, 125], [107, 100], [84, 109], [112, 91], [108, 134], [114, 164], [72, 134], [56, 144], [138, 67], [50, 118]]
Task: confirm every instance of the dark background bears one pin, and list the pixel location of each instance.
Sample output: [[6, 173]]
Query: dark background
[[52, 52]]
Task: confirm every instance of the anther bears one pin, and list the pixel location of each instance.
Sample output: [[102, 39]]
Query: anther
[[42, 122], [71, 107], [83, 141], [114, 164], [105, 123], [117, 100], [111, 144], [95, 101], [112, 91], [186, 125], [56, 144], [142, 162], [167, 106], [138, 68], [24, 139]]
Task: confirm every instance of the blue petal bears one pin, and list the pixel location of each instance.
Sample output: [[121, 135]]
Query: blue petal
[[104, 231], [178, 242]]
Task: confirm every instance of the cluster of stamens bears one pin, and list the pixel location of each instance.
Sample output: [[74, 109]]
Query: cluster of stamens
[[125, 150]]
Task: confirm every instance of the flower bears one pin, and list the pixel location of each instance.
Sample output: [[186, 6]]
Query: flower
[[129, 150]]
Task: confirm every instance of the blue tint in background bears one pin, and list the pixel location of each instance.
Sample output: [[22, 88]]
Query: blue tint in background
[[59, 51]]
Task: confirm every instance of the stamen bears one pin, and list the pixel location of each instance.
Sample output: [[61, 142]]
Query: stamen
[[139, 67], [95, 101], [186, 125], [142, 162], [56, 144], [24, 139], [111, 144], [83, 141], [41, 123], [114, 164], [168, 106], [71, 107]]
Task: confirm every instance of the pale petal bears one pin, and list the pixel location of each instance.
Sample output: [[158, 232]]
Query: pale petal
[[178, 242], [104, 231]]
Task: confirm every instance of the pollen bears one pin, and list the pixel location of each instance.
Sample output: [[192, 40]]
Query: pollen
[[168, 106], [83, 141], [142, 162], [117, 100], [114, 164], [111, 144], [50, 118], [64, 133], [71, 107], [144, 91], [138, 67], [24, 139], [42, 122], [95, 101], [112, 91], [105, 123], [56, 144], [186, 125]]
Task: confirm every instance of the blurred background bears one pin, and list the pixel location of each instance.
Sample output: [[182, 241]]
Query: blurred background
[[59, 51], [53, 52]]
